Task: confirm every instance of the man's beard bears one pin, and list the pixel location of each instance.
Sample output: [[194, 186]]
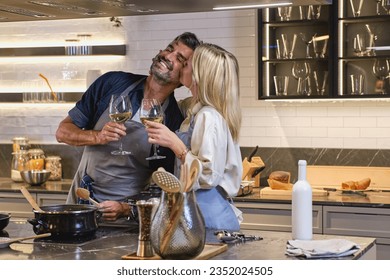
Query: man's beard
[[162, 77]]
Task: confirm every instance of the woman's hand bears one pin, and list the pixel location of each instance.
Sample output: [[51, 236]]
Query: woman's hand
[[160, 134]]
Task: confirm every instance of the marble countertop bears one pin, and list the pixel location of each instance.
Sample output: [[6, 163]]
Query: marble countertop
[[111, 243], [378, 199]]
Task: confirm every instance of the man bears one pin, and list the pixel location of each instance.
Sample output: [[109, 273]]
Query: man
[[111, 178]]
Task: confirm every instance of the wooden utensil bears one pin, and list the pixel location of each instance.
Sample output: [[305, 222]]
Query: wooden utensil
[[84, 194], [30, 199], [5, 242]]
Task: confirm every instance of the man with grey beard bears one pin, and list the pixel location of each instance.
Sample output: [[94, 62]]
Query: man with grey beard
[[112, 179]]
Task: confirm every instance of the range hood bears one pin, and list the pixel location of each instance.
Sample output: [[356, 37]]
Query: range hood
[[30, 10]]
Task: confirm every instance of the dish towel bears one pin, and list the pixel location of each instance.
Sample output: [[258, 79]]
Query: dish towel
[[331, 248]]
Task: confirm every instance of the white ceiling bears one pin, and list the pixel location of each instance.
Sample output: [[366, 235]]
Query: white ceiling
[[28, 10]]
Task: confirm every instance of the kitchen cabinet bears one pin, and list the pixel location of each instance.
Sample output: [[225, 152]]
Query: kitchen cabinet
[[287, 50], [362, 51], [355, 63], [16, 204], [273, 216], [360, 221]]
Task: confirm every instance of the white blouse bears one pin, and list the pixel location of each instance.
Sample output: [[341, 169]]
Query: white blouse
[[213, 145]]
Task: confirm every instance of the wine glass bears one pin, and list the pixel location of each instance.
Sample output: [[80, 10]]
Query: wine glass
[[381, 70], [120, 111], [301, 71], [151, 110]]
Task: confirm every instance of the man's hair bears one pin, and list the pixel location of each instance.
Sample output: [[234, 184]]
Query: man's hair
[[189, 39]]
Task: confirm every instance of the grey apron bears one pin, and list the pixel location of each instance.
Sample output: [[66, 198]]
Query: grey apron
[[111, 177]]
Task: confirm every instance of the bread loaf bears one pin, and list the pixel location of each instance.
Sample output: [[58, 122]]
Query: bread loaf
[[356, 185], [280, 176], [276, 185]]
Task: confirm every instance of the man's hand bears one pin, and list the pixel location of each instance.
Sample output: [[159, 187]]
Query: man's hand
[[112, 210], [111, 131]]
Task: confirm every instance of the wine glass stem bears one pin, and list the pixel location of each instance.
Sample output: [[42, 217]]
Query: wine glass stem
[[155, 149], [120, 145], [307, 50]]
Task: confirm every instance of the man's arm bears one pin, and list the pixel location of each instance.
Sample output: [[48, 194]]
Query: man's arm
[[71, 134]]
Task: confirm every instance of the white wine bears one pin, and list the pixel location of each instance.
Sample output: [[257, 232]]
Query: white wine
[[120, 117], [158, 119]]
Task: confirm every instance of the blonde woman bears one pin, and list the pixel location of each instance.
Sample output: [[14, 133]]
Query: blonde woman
[[210, 133]]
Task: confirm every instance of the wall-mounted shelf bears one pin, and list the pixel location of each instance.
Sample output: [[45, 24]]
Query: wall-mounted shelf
[[60, 51]]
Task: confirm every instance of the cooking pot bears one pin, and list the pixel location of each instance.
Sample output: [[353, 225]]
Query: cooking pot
[[4, 220], [66, 221]]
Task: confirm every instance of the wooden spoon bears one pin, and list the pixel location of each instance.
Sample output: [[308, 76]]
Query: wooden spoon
[[30, 199], [193, 174], [5, 242], [84, 194]]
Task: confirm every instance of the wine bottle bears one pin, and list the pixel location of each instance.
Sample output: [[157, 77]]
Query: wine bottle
[[302, 204]]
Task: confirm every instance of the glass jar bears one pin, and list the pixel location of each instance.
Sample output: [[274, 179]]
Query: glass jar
[[53, 164], [19, 163], [20, 143], [36, 159]]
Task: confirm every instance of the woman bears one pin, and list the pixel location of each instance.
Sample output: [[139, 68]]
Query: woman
[[210, 133]]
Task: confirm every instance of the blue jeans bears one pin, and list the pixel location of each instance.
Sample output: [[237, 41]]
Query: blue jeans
[[216, 210]]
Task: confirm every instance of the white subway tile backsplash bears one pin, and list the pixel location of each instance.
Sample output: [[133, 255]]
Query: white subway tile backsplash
[[328, 124]]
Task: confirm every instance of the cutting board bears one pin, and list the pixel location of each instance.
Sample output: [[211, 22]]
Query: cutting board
[[210, 250], [269, 191]]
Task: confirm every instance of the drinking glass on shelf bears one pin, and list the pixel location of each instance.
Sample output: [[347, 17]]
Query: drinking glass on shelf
[[357, 84], [356, 6], [307, 39], [288, 45], [120, 111], [381, 70], [284, 13], [320, 79], [281, 85], [320, 44], [359, 45], [386, 6], [300, 71], [315, 11], [151, 110]]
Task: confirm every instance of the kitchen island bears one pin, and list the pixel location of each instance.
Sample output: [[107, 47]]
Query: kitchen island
[[112, 243]]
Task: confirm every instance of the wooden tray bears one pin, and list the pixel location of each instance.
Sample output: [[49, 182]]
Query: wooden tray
[[210, 250]]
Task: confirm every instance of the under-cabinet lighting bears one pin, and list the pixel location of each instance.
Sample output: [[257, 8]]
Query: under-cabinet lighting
[[252, 6], [60, 58], [332, 100], [56, 43]]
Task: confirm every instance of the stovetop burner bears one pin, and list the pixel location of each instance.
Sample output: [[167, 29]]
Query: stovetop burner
[[101, 232]]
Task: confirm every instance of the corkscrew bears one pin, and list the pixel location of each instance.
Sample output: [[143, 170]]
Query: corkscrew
[[232, 237]]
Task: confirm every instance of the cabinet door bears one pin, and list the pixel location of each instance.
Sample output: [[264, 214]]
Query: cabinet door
[[299, 49], [271, 216], [15, 204], [46, 199], [363, 49]]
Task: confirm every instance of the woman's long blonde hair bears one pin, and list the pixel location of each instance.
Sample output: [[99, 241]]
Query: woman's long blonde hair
[[216, 76]]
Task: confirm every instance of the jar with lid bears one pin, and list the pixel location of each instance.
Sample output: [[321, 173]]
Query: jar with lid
[[20, 143], [36, 159], [53, 164], [19, 163]]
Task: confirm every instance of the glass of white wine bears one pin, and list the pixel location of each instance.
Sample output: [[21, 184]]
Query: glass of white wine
[[120, 111], [151, 110]]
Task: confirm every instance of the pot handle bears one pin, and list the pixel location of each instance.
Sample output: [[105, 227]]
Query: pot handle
[[39, 226]]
